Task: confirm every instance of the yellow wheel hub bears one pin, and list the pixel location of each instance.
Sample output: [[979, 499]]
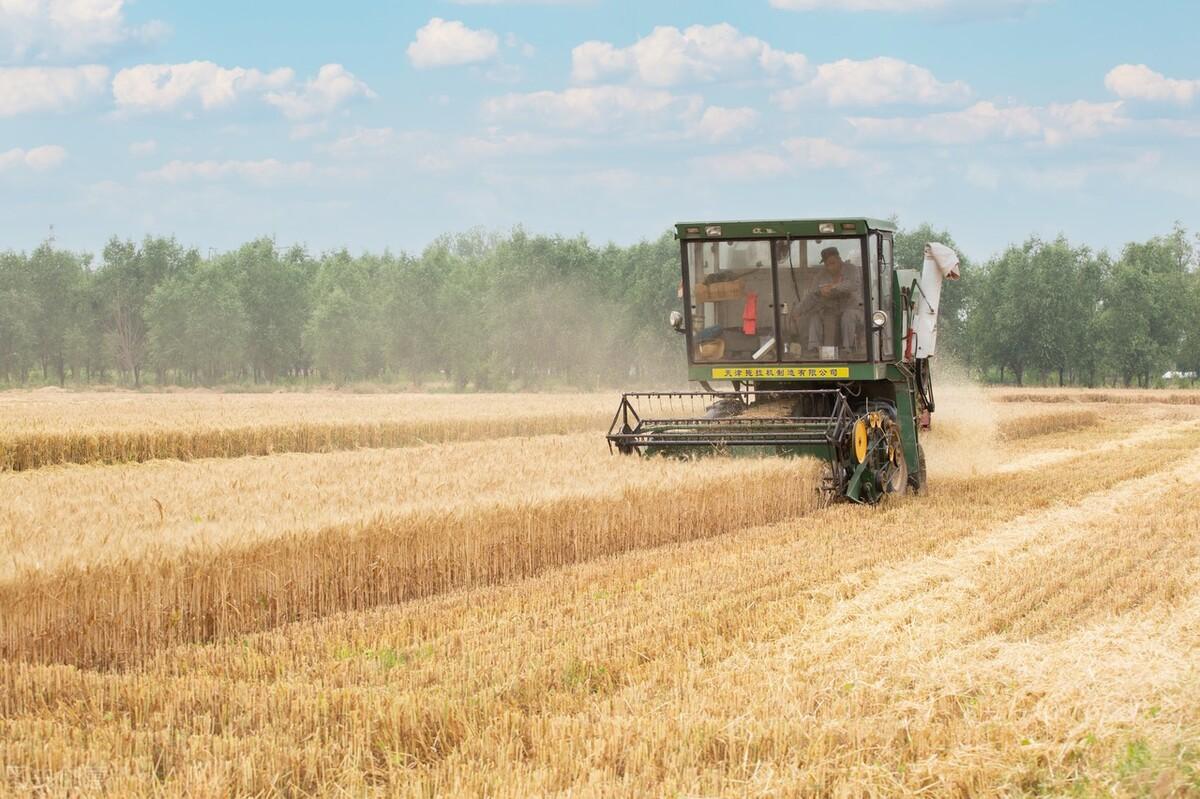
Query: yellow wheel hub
[[860, 440]]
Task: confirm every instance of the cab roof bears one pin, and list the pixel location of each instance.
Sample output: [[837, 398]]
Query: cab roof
[[750, 229]]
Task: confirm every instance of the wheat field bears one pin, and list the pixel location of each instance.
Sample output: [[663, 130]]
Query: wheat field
[[507, 611], [46, 427]]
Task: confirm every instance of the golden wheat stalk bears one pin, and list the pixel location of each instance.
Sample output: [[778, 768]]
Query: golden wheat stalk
[[21, 452], [108, 614]]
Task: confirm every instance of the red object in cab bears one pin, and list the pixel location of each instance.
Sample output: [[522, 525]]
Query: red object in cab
[[750, 315]]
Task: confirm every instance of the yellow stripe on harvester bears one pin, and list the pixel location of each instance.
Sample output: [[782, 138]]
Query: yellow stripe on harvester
[[781, 372]]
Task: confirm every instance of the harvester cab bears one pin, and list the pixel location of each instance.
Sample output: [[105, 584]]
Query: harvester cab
[[824, 344]]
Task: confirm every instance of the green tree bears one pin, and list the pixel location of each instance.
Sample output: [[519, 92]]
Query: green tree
[[196, 323], [129, 275], [1002, 318], [275, 296], [1061, 295], [411, 319], [19, 313], [343, 333], [1145, 307], [57, 280]]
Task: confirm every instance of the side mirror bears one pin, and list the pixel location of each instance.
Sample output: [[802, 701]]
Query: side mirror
[[676, 320]]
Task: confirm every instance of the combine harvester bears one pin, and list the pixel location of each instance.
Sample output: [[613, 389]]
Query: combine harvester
[[825, 343]]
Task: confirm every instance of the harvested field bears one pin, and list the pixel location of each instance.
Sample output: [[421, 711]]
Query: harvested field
[[1040, 424], [1099, 395], [530, 616]]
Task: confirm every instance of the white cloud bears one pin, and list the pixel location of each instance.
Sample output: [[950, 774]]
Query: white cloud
[[522, 2], [209, 86], [1053, 124], [791, 156], [592, 61], [267, 171], [669, 57], [162, 87], [495, 145], [745, 165], [820, 153], [333, 86], [67, 28], [143, 148], [38, 159], [442, 43], [718, 124], [596, 108], [430, 151], [905, 6], [1081, 120], [25, 90], [876, 81], [1139, 82], [983, 120], [363, 141], [514, 42]]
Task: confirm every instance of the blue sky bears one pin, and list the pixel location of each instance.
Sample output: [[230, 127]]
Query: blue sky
[[377, 124]]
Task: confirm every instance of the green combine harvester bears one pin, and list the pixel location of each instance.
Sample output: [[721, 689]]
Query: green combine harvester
[[825, 345]]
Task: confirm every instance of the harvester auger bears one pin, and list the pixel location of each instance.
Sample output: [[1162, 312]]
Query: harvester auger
[[824, 342]]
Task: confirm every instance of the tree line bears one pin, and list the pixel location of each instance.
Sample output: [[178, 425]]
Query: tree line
[[500, 311], [475, 309]]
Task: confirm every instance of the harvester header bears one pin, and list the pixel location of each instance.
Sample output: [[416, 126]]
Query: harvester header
[[824, 342]]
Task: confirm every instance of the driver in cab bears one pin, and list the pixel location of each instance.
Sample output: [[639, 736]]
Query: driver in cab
[[837, 296]]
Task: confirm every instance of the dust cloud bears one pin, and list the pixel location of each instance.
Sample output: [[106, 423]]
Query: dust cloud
[[962, 441]]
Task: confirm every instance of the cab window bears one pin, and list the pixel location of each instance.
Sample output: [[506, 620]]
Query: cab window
[[732, 295]]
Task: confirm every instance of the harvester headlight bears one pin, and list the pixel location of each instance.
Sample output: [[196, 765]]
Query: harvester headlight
[[879, 319]]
